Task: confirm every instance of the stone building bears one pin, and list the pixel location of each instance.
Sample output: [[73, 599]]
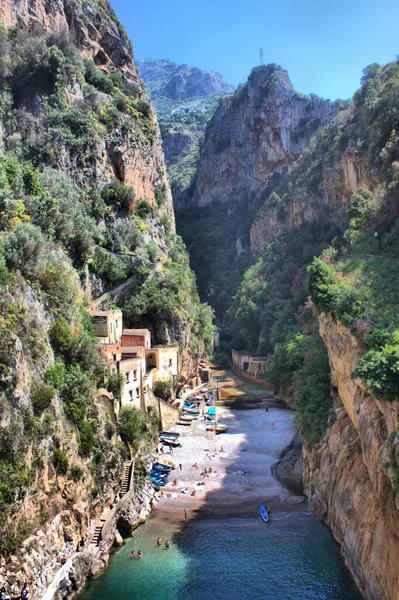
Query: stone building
[[128, 353]]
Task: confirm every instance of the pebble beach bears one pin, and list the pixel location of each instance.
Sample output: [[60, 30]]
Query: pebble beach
[[240, 460]]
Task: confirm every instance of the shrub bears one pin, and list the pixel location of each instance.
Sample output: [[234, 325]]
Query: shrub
[[115, 385], [76, 473], [359, 210], [88, 441], [110, 268], [97, 78], [60, 461], [379, 369], [41, 396], [144, 209], [55, 375], [131, 424], [26, 249], [76, 392], [163, 389], [118, 195], [144, 108], [60, 335]]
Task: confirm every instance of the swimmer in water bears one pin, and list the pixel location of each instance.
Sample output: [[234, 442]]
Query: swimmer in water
[[139, 554], [159, 541], [167, 544]]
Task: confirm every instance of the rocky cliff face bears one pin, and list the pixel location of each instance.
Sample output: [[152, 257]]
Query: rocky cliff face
[[339, 182], [349, 476], [262, 129], [85, 202], [126, 153], [180, 82]]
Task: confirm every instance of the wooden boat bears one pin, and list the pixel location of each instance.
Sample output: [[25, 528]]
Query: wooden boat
[[263, 513], [165, 435], [191, 411], [210, 428], [188, 418], [173, 443], [166, 462], [186, 423], [220, 428]]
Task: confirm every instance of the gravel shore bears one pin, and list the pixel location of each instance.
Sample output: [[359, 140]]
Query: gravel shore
[[251, 444]]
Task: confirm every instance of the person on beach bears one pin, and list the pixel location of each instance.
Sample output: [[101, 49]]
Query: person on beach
[[185, 516], [132, 554], [139, 554], [181, 467], [174, 483], [193, 493], [267, 409], [161, 450], [24, 592], [167, 544], [272, 425], [221, 449], [159, 541]]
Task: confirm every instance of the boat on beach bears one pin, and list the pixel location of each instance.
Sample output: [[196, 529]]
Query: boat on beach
[[186, 423], [160, 467], [221, 428], [191, 411], [169, 442], [166, 462], [188, 418], [166, 435]]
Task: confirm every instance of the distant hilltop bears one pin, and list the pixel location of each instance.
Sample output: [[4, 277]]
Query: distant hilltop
[[180, 82]]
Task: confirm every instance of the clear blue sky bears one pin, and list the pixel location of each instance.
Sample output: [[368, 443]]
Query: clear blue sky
[[323, 45]]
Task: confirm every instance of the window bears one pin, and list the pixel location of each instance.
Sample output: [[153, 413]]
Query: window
[[114, 355], [127, 377], [130, 394], [137, 392], [135, 375], [170, 362]]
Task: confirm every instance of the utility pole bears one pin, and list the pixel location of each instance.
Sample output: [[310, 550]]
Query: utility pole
[[261, 56]]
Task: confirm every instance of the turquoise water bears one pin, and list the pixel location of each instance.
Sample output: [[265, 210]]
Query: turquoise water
[[294, 557]]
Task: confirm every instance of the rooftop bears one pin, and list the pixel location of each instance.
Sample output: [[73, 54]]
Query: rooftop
[[135, 331], [131, 349]]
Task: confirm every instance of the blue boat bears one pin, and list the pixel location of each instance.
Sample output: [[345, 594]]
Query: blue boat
[[159, 474], [263, 513], [157, 481], [161, 467]]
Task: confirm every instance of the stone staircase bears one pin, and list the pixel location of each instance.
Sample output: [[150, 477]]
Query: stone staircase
[[126, 478], [96, 539]]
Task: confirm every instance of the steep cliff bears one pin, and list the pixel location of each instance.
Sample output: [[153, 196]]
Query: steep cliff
[[262, 129], [350, 475], [185, 99], [85, 213]]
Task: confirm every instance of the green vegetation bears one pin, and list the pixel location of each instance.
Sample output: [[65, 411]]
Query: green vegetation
[[163, 389], [356, 278], [134, 427], [68, 229], [60, 461]]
